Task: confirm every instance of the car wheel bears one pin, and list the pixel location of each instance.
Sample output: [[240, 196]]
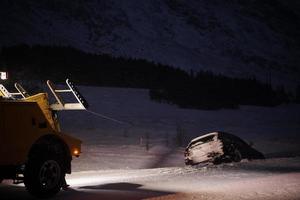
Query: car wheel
[[44, 174], [236, 155], [217, 161], [189, 162]]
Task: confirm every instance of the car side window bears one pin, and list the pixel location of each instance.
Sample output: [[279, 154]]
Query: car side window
[[225, 139], [229, 139]]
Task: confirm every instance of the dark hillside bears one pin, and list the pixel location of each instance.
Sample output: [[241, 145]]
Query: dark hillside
[[202, 90]]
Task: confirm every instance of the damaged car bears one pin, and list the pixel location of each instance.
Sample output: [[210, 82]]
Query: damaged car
[[219, 147]]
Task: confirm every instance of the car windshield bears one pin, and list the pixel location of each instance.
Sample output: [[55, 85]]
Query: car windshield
[[201, 141]]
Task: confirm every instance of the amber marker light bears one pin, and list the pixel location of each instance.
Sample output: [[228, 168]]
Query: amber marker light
[[76, 152]]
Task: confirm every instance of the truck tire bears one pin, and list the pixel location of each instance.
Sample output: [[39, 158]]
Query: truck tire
[[44, 174]]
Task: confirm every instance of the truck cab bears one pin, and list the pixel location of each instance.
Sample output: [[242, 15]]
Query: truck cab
[[34, 150]]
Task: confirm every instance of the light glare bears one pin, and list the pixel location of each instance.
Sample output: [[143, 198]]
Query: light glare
[[3, 75]]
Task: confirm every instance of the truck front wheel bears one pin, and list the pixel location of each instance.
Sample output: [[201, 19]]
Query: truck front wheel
[[44, 174]]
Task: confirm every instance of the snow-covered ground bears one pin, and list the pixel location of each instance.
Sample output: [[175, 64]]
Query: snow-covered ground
[[117, 162], [271, 179], [274, 131]]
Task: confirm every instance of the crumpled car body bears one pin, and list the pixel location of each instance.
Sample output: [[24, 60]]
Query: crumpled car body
[[219, 147]]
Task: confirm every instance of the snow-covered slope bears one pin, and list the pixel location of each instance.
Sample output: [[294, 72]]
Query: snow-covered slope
[[274, 131], [237, 38]]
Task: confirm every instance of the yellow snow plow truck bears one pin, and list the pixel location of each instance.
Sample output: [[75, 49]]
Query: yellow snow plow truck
[[33, 149]]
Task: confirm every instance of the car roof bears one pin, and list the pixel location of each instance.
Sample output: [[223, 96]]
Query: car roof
[[222, 134]]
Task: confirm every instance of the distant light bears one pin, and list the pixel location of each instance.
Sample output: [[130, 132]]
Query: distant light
[[3, 75]]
